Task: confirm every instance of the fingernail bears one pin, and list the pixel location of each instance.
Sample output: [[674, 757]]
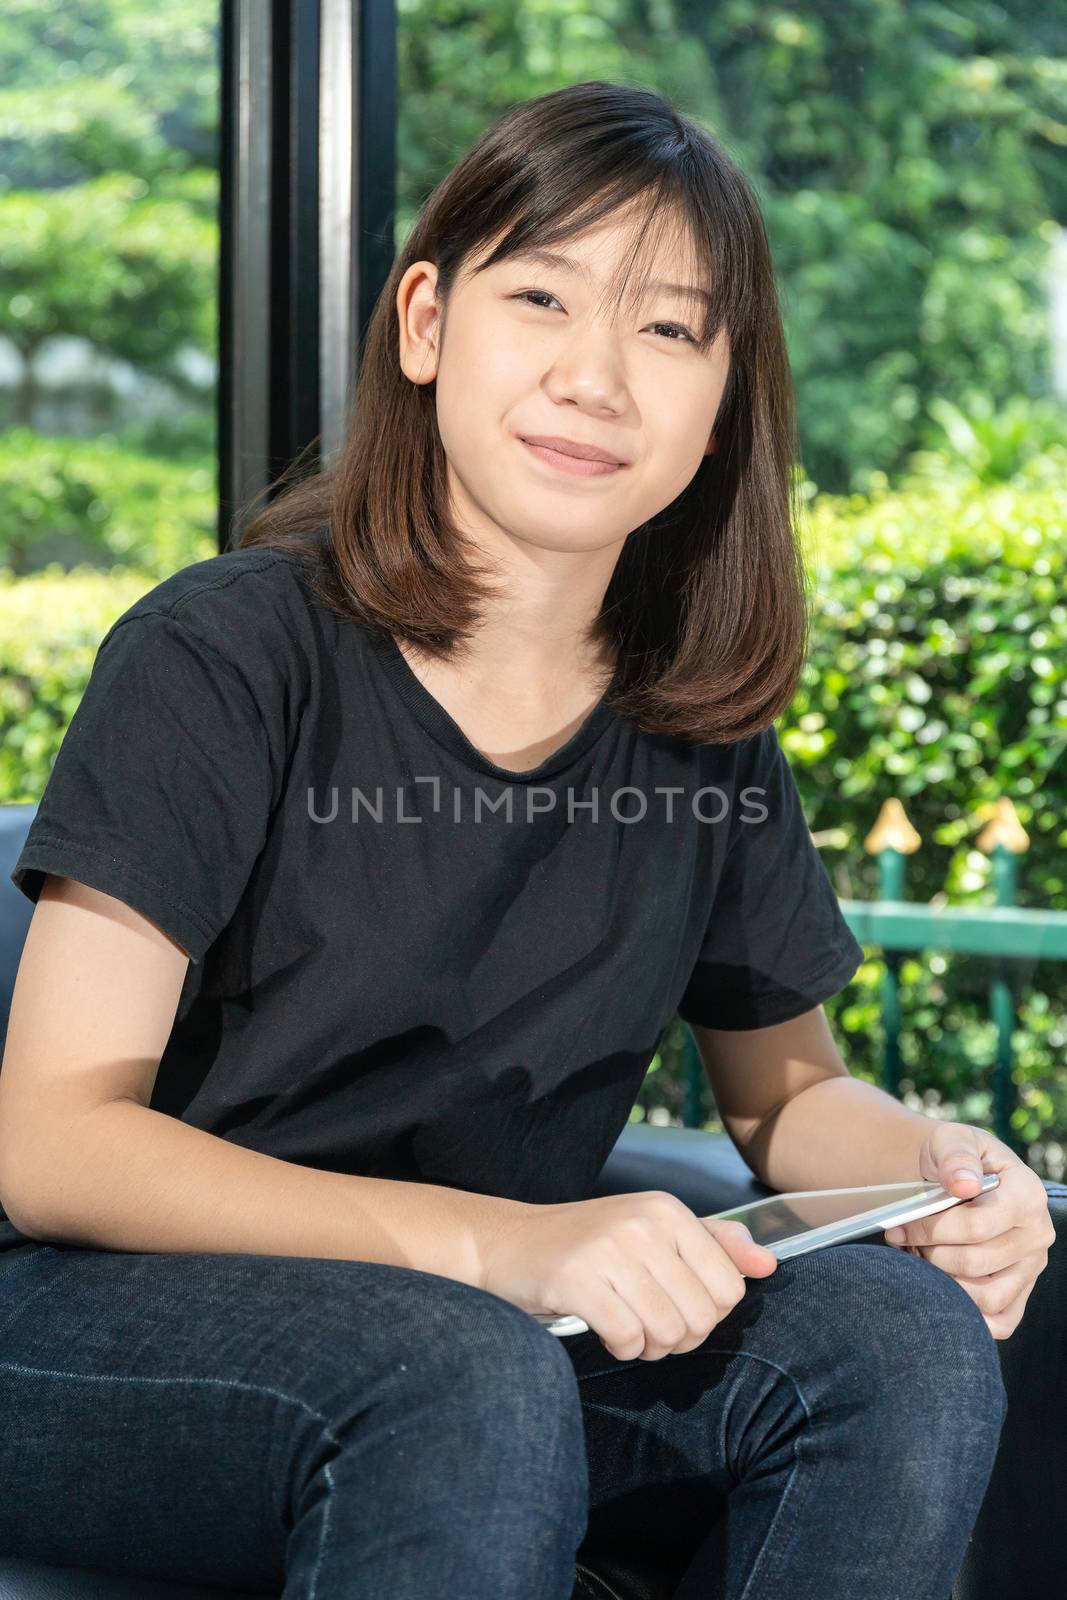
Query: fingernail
[[965, 1172], [895, 1236]]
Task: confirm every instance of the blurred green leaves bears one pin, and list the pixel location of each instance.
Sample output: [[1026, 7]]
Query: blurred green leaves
[[909, 160]]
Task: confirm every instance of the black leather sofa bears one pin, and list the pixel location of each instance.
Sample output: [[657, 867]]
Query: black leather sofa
[[1017, 1546]]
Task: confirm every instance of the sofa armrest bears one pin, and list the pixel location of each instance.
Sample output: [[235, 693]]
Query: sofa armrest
[[33, 1580], [706, 1171], [1015, 1547]]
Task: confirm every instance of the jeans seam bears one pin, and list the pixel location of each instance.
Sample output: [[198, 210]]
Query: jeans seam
[[787, 1529], [224, 1383], [608, 1372], [752, 1356]]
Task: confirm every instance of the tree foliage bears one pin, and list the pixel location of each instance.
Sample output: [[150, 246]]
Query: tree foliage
[[909, 156]]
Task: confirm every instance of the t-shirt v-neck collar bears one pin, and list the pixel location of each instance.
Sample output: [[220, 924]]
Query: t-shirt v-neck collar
[[446, 731]]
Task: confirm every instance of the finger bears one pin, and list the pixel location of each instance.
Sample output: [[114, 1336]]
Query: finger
[[737, 1241], [1003, 1324], [716, 1257], [977, 1260], [956, 1155], [703, 1298], [667, 1323], [1019, 1269], [997, 1293], [617, 1325], [663, 1324], [960, 1173], [973, 1223]]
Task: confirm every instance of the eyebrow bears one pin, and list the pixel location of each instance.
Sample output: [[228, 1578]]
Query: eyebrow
[[549, 258]]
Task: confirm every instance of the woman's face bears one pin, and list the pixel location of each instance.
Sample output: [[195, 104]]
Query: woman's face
[[527, 349]]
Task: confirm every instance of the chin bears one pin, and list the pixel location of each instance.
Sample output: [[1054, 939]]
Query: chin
[[568, 541]]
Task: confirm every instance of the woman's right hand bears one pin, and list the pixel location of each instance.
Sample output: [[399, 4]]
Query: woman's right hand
[[647, 1274]]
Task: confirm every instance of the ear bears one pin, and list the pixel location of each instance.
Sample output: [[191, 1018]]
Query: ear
[[418, 316]]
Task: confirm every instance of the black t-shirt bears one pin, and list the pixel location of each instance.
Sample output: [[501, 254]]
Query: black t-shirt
[[406, 961]]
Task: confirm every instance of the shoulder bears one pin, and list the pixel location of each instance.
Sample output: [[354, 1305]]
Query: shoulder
[[746, 780], [747, 760], [248, 608], [239, 589], [235, 635]]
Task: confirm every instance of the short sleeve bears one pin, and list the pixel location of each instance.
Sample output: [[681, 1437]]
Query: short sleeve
[[162, 788], [777, 943]]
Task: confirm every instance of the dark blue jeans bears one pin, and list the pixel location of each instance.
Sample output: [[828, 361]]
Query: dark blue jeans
[[341, 1428]]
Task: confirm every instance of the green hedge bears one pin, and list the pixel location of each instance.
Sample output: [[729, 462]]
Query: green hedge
[[98, 502], [51, 624], [938, 675]]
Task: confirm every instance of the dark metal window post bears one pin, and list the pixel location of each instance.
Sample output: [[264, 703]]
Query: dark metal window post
[[307, 204]]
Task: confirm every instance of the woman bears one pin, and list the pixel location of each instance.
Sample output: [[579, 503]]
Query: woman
[[378, 854]]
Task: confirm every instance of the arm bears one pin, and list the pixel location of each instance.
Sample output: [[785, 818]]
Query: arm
[[796, 1114], [802, 1122], [84, 1160]]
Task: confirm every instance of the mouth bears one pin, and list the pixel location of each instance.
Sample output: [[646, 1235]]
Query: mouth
[[563, 460]]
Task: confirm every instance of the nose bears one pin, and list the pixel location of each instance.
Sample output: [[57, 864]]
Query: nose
[[588, 373]]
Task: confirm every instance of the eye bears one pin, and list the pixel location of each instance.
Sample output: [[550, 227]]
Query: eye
[[529, 295], [678, 334], [684, 332]]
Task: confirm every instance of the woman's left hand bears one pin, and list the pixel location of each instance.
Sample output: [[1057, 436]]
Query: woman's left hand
[[995, 1247]]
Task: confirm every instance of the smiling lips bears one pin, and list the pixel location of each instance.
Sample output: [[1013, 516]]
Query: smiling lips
[[567, 455]]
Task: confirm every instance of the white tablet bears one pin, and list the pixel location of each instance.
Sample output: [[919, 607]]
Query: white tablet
[[807, 1219]]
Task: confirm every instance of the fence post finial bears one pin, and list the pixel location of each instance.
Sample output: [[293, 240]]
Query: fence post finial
[[892, 830], [1003, 828]]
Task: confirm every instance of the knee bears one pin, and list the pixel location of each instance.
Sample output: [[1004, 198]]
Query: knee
[[509, 1366], [916, 1340], [462, 1375], [502, 1387], [503, 1359], [414, 1342]]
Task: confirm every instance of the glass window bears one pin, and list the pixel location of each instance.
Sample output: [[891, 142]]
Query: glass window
[[109, 144]]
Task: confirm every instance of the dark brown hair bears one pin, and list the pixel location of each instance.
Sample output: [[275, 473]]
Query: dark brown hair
[[706, 614]]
